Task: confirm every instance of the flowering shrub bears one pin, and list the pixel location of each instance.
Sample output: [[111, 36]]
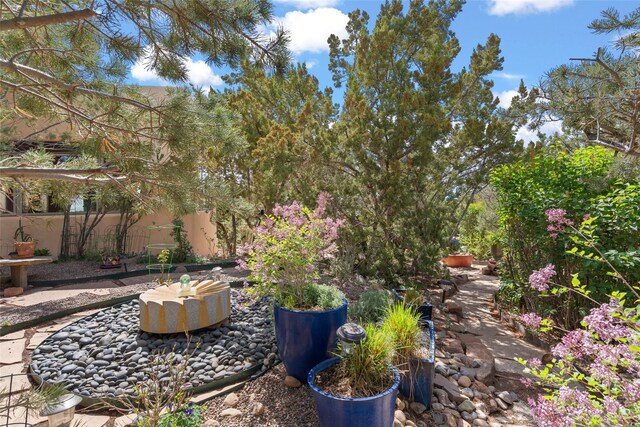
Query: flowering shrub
[[594, 377], [287, 248], [189, 415]]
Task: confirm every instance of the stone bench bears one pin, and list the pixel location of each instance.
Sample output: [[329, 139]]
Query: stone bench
[[19, 268]]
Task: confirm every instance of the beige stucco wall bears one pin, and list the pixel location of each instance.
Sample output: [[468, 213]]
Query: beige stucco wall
[[47, 230]]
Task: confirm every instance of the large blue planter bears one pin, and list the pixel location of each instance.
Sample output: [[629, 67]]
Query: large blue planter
[[417, 383], [306, 338], [334, 411], [425, 310]]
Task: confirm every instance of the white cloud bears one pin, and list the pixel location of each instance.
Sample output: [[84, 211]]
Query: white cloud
[[528, 135], [522, 7], [506, 97], [311, 63], [308, 4], [508, 76], [199, 73], [310, 30]]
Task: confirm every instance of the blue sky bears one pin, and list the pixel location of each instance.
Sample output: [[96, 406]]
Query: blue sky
[[536, 35]]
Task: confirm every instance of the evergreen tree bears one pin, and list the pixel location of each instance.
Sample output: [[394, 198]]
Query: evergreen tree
[[415, 138]]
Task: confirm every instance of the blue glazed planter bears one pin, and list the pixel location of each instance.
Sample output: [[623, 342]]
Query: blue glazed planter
[[425, 310], [334, 411], [306, 338], [417, 383]]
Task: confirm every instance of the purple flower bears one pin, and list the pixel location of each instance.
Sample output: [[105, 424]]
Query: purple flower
[[531, 320], [576, 343], [557, 219], [602, 322], [539, 279]]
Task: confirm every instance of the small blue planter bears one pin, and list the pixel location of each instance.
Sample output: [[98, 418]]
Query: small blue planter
[[306, 338], [425, 310], [417, 383], [334, 411]]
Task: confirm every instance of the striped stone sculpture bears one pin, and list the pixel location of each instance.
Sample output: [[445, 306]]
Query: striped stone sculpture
[[162, 311]]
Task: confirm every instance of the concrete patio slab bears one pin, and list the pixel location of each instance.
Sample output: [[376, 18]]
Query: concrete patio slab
[[37, 339], [11, 351], [13, 336], [20, 382], [87, 420], [35, 296]]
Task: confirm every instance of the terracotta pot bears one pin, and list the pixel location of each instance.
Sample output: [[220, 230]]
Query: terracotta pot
[[458, 260], [25, 249]]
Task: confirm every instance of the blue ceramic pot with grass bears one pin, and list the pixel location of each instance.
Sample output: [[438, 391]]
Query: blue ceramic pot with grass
[[306, 338], [425, 309], [335, 411], [417, 381]]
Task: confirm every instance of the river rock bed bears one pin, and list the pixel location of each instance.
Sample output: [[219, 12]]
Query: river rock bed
[[107, 355]]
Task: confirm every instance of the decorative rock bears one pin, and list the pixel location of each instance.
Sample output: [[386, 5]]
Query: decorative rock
[[514, 396], [467, 392], [480, 423], [443, 398], [231, 400], [417, 407], [292, 382], [505, 396], [409, 423], [467, 406], [493, 406], [453, 307], [399, 404], [400, 416], [12, 292], [437, 406], [463, 423], [464, 381], [501, 404], [450, 420], [397, 423], [211, 423], [258, 409], [230, 412], [437, 417], [111, 354], [452, 390]]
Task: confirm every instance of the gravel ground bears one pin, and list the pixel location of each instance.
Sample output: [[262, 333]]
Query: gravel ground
[[283, 406]]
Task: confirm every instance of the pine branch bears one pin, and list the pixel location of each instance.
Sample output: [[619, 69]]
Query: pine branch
[[41, 21]]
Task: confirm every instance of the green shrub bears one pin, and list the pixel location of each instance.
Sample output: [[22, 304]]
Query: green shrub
[[371, 306], [42, 252], [188, 416], [324, 297]]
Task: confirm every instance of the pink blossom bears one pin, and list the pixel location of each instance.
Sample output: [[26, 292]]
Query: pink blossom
[[603, 323], [539, 279], [576, 343], [558, 220], [526, 382], [531, 320], [534, 362]]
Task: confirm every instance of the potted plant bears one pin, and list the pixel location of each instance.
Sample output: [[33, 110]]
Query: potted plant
[[24, 243], [415, 298], [360, 388], [415, 351], [283, 259]]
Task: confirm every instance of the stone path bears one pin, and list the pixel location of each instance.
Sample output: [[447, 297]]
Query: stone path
[[476, 298], [469, 327]]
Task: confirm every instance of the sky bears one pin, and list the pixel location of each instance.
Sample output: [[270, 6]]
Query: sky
[[536, 36]]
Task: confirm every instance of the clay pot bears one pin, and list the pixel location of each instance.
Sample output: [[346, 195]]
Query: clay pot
[[25, 249], [458, 260]]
